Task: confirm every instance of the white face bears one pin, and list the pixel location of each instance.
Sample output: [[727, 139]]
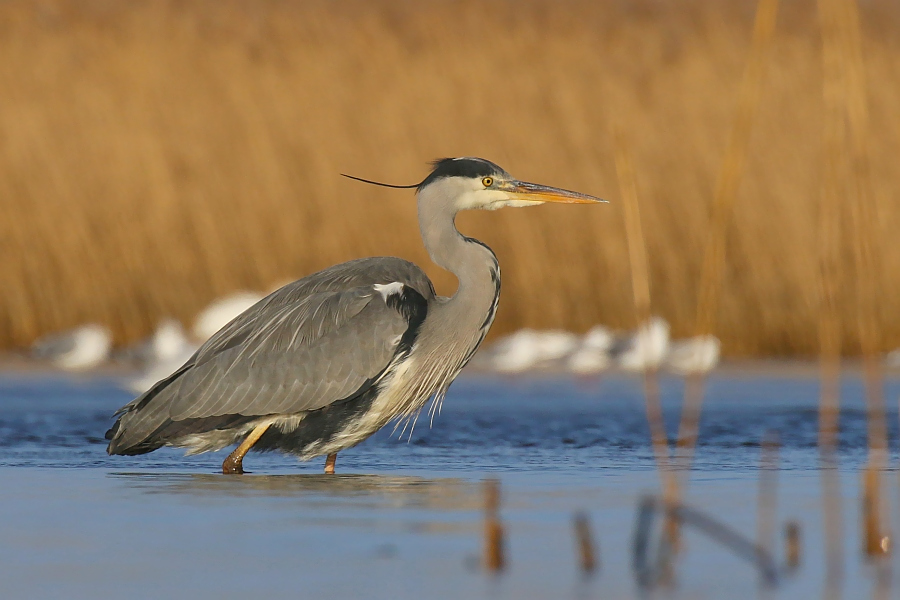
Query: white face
[[499, 191], [487, 193]]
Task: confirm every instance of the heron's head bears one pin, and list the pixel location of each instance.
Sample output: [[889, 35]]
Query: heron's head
[[476, 183]]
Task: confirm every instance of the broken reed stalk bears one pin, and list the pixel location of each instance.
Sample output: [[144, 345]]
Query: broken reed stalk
[[833, 524], [494, 559], [867, 259], [726, 190], [640, 286], [875, 541], [830, 277], [587, 557], [650, 574], [768, 493]]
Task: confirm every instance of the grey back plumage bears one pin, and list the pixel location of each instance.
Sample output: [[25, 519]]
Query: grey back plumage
[[278, 357]]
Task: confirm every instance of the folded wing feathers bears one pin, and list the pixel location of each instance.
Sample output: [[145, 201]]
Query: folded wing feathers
[[302, 347], [327, 346]]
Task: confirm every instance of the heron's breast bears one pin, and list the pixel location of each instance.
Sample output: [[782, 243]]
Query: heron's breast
[[396, 398]]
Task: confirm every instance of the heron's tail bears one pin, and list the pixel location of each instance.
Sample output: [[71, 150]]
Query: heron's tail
[[140, 422], [122, 443]]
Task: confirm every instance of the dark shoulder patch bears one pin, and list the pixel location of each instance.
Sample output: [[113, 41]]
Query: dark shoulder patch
[[413, 307], [461, 167]]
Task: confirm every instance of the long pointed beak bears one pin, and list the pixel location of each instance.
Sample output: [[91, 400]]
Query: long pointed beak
[[533, 192]]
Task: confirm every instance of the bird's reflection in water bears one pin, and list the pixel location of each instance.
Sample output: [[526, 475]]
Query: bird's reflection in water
[[446, 494]]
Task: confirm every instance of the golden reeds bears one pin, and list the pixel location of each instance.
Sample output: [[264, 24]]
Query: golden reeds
[[157, 155], [732, 168]]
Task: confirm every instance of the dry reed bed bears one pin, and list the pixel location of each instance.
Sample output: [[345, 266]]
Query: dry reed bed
[[156, 155]]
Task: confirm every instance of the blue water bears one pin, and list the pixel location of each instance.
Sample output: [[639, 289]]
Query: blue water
[[403, 518]]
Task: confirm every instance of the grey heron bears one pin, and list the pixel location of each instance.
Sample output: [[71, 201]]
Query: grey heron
[[323, 363]]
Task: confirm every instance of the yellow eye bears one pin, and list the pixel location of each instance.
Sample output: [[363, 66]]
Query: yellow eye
[[487, 181]]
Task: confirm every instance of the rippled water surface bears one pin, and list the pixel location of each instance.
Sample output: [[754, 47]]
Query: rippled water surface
[[403, 517]]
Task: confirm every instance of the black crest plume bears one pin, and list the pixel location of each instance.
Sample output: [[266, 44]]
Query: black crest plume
[[388, 185]]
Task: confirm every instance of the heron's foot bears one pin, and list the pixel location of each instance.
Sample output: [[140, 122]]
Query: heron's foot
[[233, 466], [329, 463]]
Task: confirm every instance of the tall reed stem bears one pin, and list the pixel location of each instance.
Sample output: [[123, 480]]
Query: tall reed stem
[[830, 276], [726, 190], [640, 285]]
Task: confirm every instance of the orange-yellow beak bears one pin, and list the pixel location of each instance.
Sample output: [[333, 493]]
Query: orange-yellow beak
[[533, 192]]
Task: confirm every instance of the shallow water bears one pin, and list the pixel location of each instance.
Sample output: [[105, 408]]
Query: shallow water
[[403, 518]]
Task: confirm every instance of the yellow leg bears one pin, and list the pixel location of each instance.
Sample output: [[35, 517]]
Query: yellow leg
[[233, 464], [329, 464]]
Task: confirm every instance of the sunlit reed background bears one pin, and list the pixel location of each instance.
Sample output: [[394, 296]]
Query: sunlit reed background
[[157, 155]]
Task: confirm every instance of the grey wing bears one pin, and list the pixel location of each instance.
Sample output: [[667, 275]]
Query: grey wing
[[355, 273], [318, 340], [328, 347]]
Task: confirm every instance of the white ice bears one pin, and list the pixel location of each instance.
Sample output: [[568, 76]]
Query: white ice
[[221, 312], [643, 349], [527, 348], [83, 348], [694, 355], [168, 349], [592, 355]]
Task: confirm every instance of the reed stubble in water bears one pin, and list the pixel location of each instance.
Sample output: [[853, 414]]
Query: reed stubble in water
[[793, 544], [767, 503], [587, 555], [494, 547], [156, 156]]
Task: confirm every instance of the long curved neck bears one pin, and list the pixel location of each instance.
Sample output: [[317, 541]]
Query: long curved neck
[[455, 326], [473, 263]]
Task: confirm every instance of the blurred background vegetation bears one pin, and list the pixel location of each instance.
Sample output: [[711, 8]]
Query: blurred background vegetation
[[157, 155]]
